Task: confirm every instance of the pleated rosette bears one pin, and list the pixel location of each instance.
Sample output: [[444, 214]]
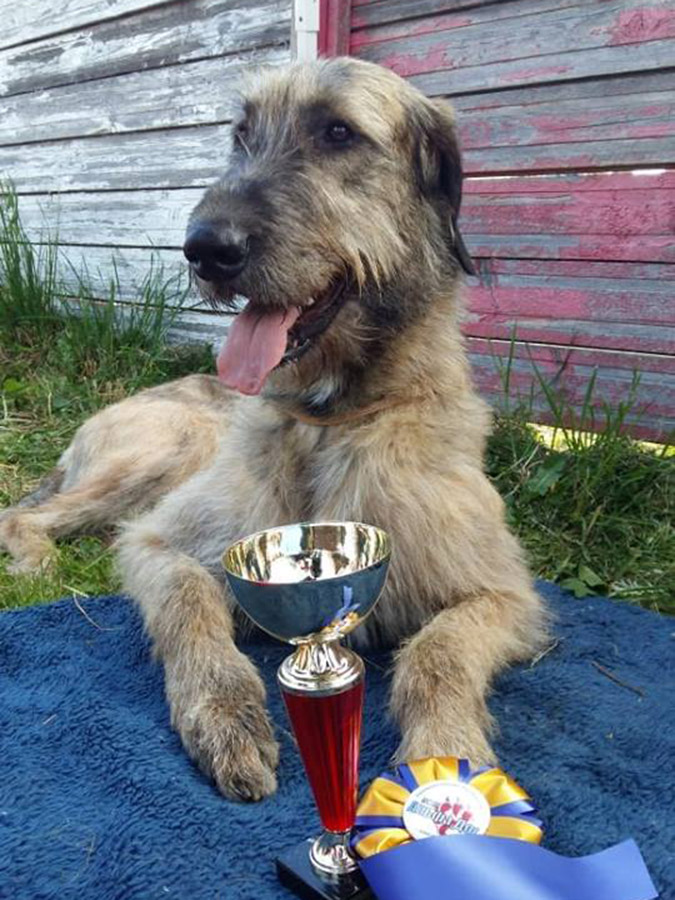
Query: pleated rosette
[[443, 796]]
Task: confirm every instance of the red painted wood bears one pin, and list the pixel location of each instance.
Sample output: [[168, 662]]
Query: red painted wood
[[616, 306], [556, 355], [387, 5], [579, 182], [494, 269], [379, 22], [610, 224], [580, 259], [653, 415], [628, 338], [334, 27], [517, 43], [648, 422], [536, 42], [374, 22], [557, 299], [563, 246], [559, 120]]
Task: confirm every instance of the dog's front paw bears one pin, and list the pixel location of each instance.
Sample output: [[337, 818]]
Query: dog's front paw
[[424, 739], [229, 735]]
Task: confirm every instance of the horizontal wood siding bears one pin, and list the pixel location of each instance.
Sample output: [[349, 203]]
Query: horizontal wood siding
[[25, 21], [114, 116], [169, 34], [566, 115]]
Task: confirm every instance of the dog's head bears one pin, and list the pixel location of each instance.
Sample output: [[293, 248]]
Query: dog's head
[[336, 218]]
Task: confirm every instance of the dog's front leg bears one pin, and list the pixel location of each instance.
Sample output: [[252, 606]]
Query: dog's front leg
[[216, 696], [442, 678]]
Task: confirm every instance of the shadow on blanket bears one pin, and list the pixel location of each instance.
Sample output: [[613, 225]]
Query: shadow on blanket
[[97, 799]]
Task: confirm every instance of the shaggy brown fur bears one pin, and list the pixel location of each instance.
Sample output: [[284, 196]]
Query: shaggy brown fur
[[374, 212], [378, 211], [121, 461]]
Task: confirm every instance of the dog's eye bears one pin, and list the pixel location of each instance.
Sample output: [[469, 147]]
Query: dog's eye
[[338, 133]]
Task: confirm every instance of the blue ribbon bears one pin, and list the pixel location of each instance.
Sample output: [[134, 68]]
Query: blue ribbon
[[476, 867]]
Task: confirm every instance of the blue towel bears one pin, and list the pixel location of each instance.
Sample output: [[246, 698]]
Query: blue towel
[[99, 802]]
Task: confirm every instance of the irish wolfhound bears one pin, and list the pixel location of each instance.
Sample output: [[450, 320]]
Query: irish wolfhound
[[120, 462], [337, 218]]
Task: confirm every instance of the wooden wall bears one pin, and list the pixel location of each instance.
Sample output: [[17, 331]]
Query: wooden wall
[[113, 117], [566, 111]]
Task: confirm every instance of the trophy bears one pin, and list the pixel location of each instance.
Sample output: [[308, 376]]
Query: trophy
[[309, 585]]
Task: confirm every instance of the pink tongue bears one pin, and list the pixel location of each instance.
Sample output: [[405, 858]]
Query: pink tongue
[[255, 344]]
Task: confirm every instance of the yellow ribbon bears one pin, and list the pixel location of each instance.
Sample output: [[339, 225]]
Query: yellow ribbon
[[380, 816]]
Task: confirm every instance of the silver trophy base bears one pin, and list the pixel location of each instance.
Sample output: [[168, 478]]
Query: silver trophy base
[[298, 869], [330, 854]]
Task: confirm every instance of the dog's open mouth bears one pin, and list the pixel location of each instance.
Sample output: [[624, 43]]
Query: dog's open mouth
[[260, 339]]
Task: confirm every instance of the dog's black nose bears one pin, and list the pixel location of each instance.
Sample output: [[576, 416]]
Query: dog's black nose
[[214, 255]]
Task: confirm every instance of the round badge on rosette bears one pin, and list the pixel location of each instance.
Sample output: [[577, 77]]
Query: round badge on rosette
[[442, 796]]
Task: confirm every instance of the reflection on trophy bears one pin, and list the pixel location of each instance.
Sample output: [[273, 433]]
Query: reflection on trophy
[[310, 584]]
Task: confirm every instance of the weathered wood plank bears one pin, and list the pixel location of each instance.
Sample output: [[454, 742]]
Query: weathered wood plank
[[582, 156], [566, 66], [655, 339], [605, 300], [169, 34], [405, 18], [600, 23], [334, 27], [630, 126], [652, 416], [622, 214], [659, 82], [181, 158], [595, 38], [425, 5], [194, 93], [201, 328], [645, 248], [112, 218], [629, 217], [31, 19], [611, 306], [127, 268], [656, 180], [559, 357], [492, 270]]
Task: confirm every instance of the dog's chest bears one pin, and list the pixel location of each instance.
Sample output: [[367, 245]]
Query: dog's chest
[[306, 468]]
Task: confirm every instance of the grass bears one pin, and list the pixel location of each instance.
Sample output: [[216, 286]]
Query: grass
[[596, 517], [594, 508], [594, 512], [60, 362]]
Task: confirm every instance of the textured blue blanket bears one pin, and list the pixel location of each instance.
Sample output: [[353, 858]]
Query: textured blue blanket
[[97, 799]]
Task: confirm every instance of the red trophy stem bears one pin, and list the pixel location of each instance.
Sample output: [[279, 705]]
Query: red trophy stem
[[328, 731]]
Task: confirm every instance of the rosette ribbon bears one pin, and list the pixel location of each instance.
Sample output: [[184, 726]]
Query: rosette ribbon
[[436, 829]]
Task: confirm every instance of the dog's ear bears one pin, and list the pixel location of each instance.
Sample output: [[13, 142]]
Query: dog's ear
[[439, 167]]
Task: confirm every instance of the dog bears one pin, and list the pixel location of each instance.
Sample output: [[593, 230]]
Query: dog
[[350, 399], [120, 463]]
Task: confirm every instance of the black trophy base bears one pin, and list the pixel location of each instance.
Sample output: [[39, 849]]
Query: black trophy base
[[297, 873]]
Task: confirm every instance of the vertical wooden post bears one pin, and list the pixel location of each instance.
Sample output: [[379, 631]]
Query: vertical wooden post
[[334, 27], [305, 30]]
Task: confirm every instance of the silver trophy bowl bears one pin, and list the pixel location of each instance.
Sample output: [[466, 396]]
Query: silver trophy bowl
[[310, 582]]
